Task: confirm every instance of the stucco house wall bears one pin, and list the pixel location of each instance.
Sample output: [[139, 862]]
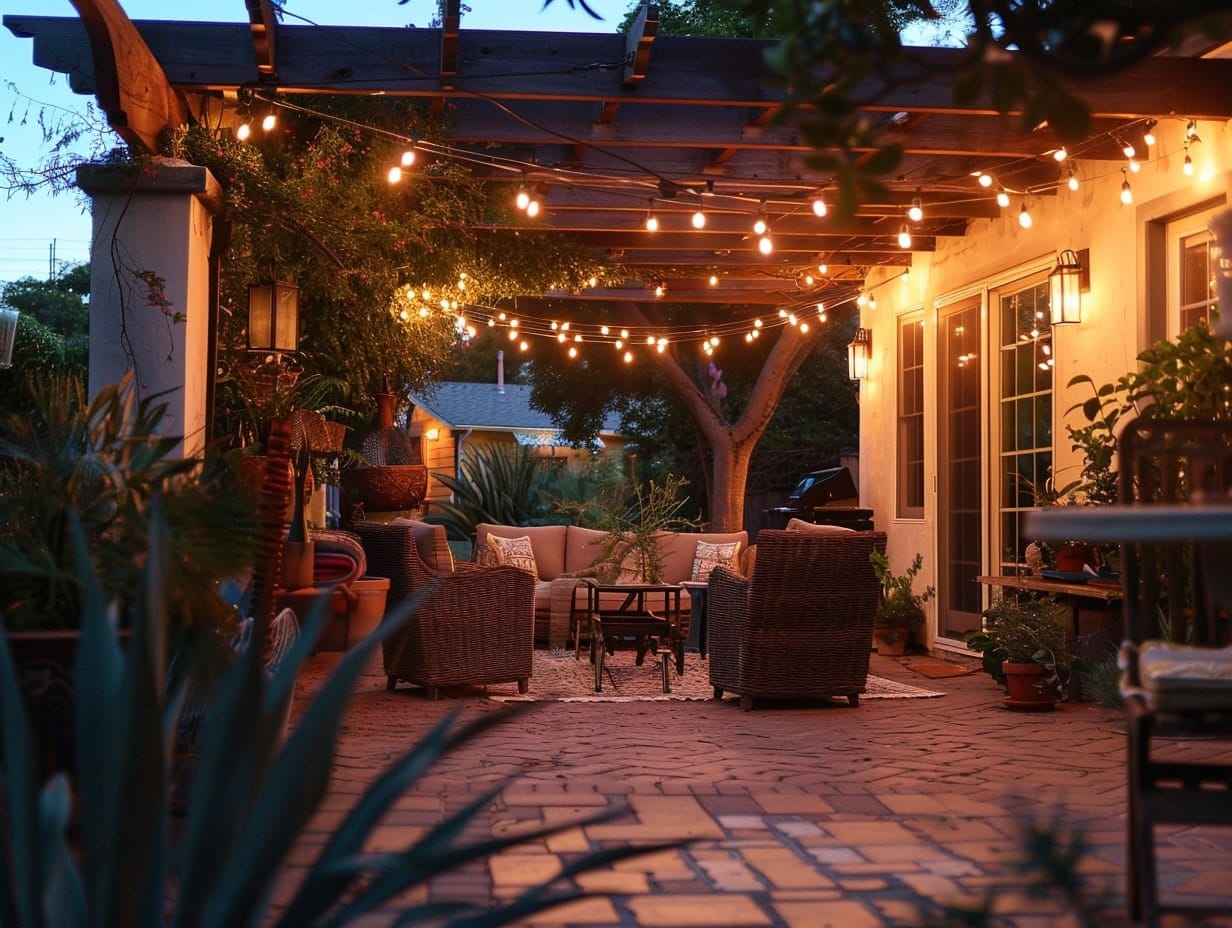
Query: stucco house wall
[[1121, 315]]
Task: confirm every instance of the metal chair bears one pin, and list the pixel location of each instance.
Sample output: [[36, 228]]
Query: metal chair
[[1176, 659]]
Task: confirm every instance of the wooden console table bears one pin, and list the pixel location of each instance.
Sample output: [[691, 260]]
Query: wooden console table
[[1072, 593]]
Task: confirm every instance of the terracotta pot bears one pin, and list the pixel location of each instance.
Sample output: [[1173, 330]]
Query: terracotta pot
[[891, 642], [1028, 687]]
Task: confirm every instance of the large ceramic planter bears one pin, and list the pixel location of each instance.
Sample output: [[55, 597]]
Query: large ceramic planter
[[386, 487], [1027, 686]]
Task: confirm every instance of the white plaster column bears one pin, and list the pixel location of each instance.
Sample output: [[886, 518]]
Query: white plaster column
[[155, 219]]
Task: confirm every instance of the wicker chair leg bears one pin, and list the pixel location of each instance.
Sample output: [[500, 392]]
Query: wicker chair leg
[[523, 685], [746, 703], [853, 699], [390, 683], [718, 692]]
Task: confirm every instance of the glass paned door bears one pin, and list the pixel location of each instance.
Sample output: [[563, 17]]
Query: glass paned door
[[960, 467]]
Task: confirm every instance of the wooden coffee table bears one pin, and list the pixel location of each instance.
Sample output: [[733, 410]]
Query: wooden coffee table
[[634, 616]]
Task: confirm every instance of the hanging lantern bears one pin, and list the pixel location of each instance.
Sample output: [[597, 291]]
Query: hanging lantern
[[8, 334], [858, 354], [273, 317], [1065, 286]]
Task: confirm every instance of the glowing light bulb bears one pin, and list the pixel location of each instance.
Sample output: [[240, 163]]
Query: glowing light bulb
[[1128, 149], [1127, 193], [1072, 183], [809, 280], [904, 237], [1149, 135], [819, 206], [714, 340], [603, 330], [985, 180], [1024, 217], [1188, 166], [243, 131], [628, 357], [532, 208], [765, 245], [804, 327], [659, 290], [652, 223], [408, 158], [394, 175], [699, 219], [522, 346], [573, 352], [269, 122], [714, 280], [624, 333], [757, 323], [1134, 166], [872, 302], [759, 227], [1060, 154], [823, 269], [916, 212], [523, 198], [593, 282], [1003, 199]]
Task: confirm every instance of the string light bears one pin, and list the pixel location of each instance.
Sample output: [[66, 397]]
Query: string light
[[1072, 183], [872, 301], [1127, 193], [819, 207], [904, 237], [269, 122], [1060, 154], [652, 221], [759, 224], [394, 175], [1134, 166], [1149, 135], [522, 200], [714, 280], [699, 217], [765, 245], [1003, 198], [1024, 217], [1187, 166], [985, 180], [1191, 131], [244, 131], [823, 269], [916, 212], [408, 158]]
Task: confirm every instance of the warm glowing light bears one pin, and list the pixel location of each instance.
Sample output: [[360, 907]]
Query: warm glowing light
[[1149, 135], [268, 123], [628, 356], [1127, 193], [652, 223], [1024, 217], [659, 290], [593, 282], [819, 207], [759, 227], [699, 219], [523, 198], [1134, 166], [408, 158], [765, 245], [1060, 154], [792, 319], [1188, 166], [661, 347], [243, 132], [904, 237], [619, 344], [513, 336], [573, 352], [714, 280], [714, 340], [1072, 183], [513, 323], [916, 211], [1128, 150], [1003, 199], [823, 269], [862, 299], [603, 330], [532, 209], [872, 301], [560, 337], [757, 323], [624, 333], [650, 339], [804, 327], [809, 280], [394, 175], [985, 180], [522, 346]]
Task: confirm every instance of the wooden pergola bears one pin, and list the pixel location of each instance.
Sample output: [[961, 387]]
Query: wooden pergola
[[608, 129]]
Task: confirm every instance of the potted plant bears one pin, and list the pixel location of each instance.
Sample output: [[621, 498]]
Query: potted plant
[[1025, 650], [901, 613], [107, 459]]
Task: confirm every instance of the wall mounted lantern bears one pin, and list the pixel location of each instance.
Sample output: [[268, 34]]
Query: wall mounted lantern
[[273, 316], [1066, 284], [8, 334], [433, 434], [858, 354]]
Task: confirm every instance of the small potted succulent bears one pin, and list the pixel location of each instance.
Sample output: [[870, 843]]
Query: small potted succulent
[[900, 616], [1025, 650]]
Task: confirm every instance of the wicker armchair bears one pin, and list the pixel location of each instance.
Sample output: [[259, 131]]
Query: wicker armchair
[[801, 625], [476, 626]]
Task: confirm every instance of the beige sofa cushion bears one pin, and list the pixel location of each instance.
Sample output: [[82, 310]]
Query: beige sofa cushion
[[547, 541], [582, 546], [677, 550]]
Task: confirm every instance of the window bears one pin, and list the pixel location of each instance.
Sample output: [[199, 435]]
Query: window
[[911, 418], [1190, 272], [1025, 399]]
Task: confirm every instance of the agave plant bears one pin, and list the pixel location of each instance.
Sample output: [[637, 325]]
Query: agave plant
[[254, 793], [502, 484]]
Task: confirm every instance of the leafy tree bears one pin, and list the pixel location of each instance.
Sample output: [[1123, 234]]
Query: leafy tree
[[53, 333], [381, 268]]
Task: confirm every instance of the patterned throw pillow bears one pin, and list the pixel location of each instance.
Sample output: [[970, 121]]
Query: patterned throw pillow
[[709, 556], [515, 552]]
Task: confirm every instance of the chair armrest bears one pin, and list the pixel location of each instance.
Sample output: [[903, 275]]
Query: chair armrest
[[727, 601]]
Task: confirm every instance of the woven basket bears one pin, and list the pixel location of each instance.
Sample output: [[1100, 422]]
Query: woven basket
[[387, 488]]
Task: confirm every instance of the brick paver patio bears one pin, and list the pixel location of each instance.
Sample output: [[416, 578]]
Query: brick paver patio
[[802, 816]]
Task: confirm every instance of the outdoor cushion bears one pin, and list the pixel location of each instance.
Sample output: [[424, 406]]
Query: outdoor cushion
[[547, 541], [799, 525], [710, 555], [1180, 678], [516, 552], [677, 549]]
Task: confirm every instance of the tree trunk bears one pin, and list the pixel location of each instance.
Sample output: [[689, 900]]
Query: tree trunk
[[732, 444]]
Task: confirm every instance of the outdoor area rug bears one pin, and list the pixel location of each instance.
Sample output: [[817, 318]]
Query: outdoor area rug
[[559, 677]]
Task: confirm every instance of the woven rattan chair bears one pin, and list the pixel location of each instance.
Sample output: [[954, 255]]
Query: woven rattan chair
[[476, 626], [801, 625], [1176, 657]]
